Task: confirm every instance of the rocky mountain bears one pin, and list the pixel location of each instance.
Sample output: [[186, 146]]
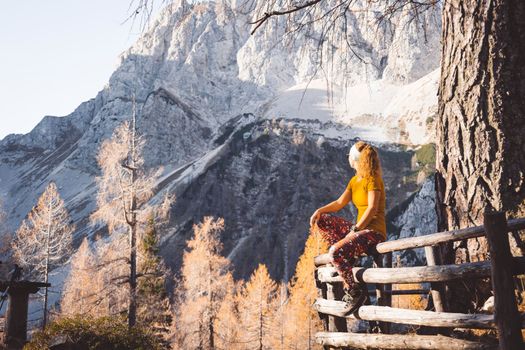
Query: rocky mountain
[[243, 126]]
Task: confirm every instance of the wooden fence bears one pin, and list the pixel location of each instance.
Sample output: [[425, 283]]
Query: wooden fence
[[501, 268]]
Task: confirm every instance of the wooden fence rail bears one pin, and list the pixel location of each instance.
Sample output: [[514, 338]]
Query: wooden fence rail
[[395, 341], [407, 316], [420, 274], [501, 268]]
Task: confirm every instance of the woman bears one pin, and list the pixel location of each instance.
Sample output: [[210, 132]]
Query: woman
[[349, 240]]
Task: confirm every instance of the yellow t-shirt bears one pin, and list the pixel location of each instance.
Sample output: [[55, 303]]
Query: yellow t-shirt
[[360, 188]]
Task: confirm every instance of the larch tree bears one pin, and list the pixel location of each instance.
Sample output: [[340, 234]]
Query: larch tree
[[304, 322], [82, 286], [281, 318], [112, 275], [227, 321], [124, 191], [96, 284], [257, 308], [44, 240], [206, 282]]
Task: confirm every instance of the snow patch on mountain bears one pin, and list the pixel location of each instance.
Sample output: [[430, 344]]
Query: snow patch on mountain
[[378, 110]]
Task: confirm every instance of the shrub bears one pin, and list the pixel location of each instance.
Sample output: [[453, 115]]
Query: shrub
[[89, 333]]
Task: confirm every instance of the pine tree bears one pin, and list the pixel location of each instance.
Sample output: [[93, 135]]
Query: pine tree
[[43, 241], [257, 308], [154, 309], [206, 281]]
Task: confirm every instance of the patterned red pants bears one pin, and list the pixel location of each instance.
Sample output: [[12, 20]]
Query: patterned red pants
[[333, 229]]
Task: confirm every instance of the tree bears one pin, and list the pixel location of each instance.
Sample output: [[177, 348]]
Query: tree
[[480, 161], [82, 285], [257, 308], [43, 241], [124, 190], [281, 318], [96, 285], [303, 321], [5, 238], [206, 282], [154, 308], [227, 321]]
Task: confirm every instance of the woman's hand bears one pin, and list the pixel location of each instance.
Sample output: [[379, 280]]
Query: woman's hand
[[315, 216], [352, 232], [331, 253]]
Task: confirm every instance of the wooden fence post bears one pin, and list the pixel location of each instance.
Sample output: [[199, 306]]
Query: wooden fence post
[[388, 286], [382, 299], [334, 291], [436, 287], [321, 293], [506, 313]]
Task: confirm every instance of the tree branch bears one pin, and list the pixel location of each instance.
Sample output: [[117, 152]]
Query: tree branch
[[267, 15]]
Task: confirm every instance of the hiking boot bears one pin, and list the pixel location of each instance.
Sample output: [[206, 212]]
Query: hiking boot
[[354, 298]]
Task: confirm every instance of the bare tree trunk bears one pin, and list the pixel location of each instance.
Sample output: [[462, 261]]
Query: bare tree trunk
[[480, 160], [132, 318], [46, 271], [132, 313], [210, 308]]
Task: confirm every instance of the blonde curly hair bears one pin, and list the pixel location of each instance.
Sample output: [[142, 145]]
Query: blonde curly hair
[[368, 163]]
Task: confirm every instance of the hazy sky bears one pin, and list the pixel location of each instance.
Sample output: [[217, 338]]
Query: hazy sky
[[55, 54]]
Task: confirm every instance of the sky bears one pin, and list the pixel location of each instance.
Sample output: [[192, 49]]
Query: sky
[[56, 54]]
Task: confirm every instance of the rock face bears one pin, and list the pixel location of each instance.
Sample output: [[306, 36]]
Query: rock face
[[266, 183], [416, 220], [208, 95]]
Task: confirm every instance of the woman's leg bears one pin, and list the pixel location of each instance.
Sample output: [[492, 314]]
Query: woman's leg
[[346, 256], [333, 228]]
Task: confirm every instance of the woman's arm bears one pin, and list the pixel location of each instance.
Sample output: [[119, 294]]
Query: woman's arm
[[331, 207]]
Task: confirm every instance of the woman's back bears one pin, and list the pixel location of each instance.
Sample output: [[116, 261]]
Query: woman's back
[[360, 187]]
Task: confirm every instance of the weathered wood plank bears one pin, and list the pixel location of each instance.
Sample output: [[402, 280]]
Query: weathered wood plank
[[440, 237], [406, 316], [419, 274], [505, 308], [394, 341]]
